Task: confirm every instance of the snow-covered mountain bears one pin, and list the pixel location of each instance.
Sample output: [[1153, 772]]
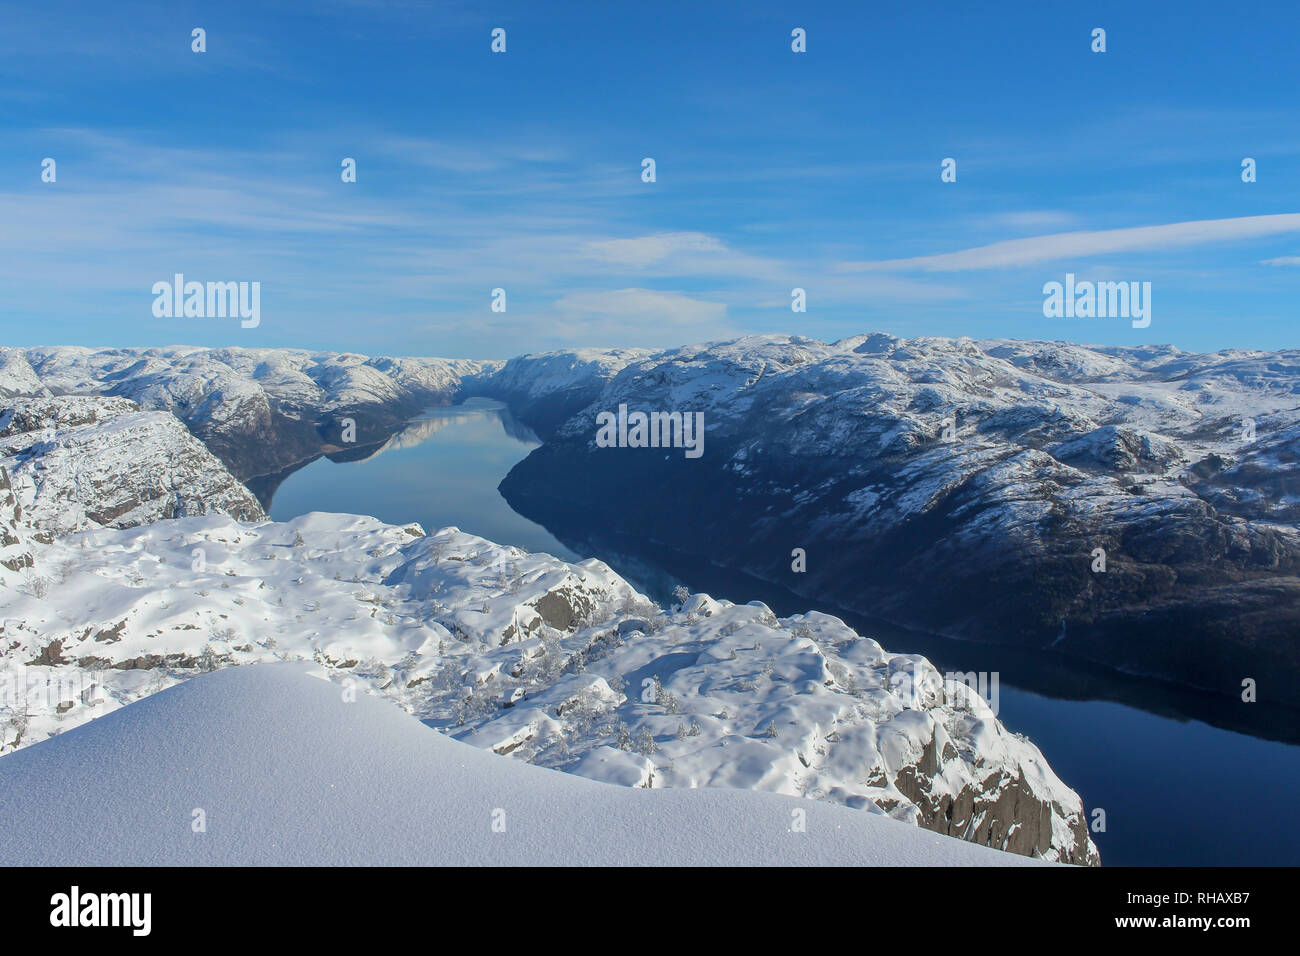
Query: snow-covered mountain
[[261, 411], [565, 666], [1134, 506], [264, 766], [964, 487], [546, 390], [73, 462], [970, 488]]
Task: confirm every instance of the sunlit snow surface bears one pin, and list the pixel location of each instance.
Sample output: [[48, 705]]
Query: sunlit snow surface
[[281, 768], [517, 653]]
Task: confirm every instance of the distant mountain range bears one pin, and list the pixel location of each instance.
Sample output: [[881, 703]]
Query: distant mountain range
[[261, 411], [970, 488], [973, 489]]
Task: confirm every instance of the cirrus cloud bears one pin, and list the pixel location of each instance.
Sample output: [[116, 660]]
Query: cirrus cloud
[[1014, 253], [646, 250], [639, 317]]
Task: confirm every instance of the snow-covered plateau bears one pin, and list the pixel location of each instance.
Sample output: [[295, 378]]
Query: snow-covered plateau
[[561, 665]]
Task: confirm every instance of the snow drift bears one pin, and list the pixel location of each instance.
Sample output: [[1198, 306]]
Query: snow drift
[[266, 766]]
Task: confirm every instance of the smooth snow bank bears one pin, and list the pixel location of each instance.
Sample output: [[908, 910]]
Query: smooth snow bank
[[560, 665], [286, 770]]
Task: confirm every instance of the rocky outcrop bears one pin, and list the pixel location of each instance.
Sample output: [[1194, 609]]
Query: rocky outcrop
[[1002, 810], [74, 462], [15, 552]]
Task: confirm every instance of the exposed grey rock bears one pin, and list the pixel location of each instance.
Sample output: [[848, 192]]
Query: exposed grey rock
[[92, 461]]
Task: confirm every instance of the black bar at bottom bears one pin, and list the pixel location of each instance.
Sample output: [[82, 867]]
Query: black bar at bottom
[[334, 906]]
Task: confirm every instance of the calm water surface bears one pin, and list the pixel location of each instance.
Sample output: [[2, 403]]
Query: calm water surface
[[443, 469]]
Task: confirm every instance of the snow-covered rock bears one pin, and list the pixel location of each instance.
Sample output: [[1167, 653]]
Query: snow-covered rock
[[258, 766], [15, 550], [89, 461], [561, 665], [17, 377], [546, 390]]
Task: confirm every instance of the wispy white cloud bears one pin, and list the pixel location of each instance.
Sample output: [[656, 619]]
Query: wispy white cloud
[[674, 308], [638, 317], [671, 254], [1282, 261], [646, 250], [1065, 245]]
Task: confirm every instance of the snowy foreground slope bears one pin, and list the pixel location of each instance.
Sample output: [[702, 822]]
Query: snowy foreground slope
[[265, 765], [560, 665]]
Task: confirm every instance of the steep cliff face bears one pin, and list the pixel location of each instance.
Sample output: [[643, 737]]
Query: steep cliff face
[[1135, 507], [561, 665], [74, 462]]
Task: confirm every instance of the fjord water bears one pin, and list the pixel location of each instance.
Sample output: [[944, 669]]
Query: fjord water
[[1176, 788], [441, 470]]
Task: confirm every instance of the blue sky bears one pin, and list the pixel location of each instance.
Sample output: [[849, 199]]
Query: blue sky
[[522, 171]]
